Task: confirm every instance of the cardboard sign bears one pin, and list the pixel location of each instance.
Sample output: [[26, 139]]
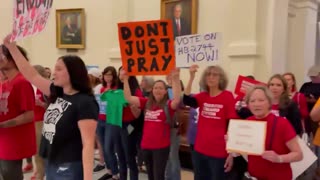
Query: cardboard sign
[[246, 137], [147, 47], [244, 83], [29, 17], [308, 159], [197, 49]]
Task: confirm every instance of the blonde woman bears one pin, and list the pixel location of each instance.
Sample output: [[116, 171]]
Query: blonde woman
[[282, 146]]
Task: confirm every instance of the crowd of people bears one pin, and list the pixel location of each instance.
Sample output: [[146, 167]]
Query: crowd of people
[[60, 120]]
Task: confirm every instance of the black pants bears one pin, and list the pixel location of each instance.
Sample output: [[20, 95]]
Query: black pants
[[156, 161], [11, 170], [240, 166], [126, 150]]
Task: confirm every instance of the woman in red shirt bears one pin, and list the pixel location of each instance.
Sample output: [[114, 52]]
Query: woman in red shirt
[[282, 146], [282, 105], [297, 97], [216, 107], [155, 141]]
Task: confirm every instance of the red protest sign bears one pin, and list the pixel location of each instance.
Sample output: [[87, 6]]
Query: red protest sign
[[244, 83], [29, 17], [147, 47]]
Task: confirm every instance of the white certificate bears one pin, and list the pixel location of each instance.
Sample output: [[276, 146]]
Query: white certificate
[[246, 136]]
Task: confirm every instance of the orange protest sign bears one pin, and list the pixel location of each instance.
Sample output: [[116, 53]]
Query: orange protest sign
[[147, 47]]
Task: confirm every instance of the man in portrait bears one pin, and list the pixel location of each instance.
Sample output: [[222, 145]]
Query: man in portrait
[[70, 33], [180, 25]]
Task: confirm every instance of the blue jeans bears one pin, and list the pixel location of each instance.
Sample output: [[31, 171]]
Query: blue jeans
[[64, 171], [127, 151], [209, 168], [101, 132], [112, 137], [173, 168]]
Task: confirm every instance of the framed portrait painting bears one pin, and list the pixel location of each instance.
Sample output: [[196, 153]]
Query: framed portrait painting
[[183, 13], [70, 32]]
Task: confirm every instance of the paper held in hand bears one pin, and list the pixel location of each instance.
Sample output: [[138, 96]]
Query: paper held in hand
[[246, 137]]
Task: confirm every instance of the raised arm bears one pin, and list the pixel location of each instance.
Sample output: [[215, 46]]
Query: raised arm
[[193, 69], [187, 98], [176, 89], [133, 100], [26, 69]]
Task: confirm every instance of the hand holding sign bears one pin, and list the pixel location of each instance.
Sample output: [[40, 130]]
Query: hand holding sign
[[175, 74], [7, 43], [193, 69], [124, 74]]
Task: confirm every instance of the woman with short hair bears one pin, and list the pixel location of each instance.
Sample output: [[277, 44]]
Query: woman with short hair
[[281, 142]]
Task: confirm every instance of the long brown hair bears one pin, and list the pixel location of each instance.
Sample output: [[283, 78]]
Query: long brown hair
[[284, 97], [152, 100], [294, 87], [114, 76]]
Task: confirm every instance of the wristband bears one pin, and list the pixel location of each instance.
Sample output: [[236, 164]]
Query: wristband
[[280, 159]]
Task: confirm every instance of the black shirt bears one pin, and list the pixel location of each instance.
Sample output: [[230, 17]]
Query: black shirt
[[309, 88], [61, 139]]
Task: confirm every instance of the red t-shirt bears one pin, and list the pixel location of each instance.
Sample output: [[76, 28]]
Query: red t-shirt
[[39, 110], [264, 169], [301, 101], [275, 109], [127, 115], [156, 131], [17, 142], [214, 113]]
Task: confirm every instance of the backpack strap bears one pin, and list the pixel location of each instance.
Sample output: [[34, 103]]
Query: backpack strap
[[274, 124], [167, 113]]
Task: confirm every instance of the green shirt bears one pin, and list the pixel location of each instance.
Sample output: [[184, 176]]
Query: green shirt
[[116, 102]]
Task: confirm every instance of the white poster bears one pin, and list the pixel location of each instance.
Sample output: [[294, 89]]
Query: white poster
[[246, 137], [199, 49], [29, 17], [308, 159]]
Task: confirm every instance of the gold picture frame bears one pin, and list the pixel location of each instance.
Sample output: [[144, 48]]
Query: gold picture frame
[[188, 17], [70, 28]]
